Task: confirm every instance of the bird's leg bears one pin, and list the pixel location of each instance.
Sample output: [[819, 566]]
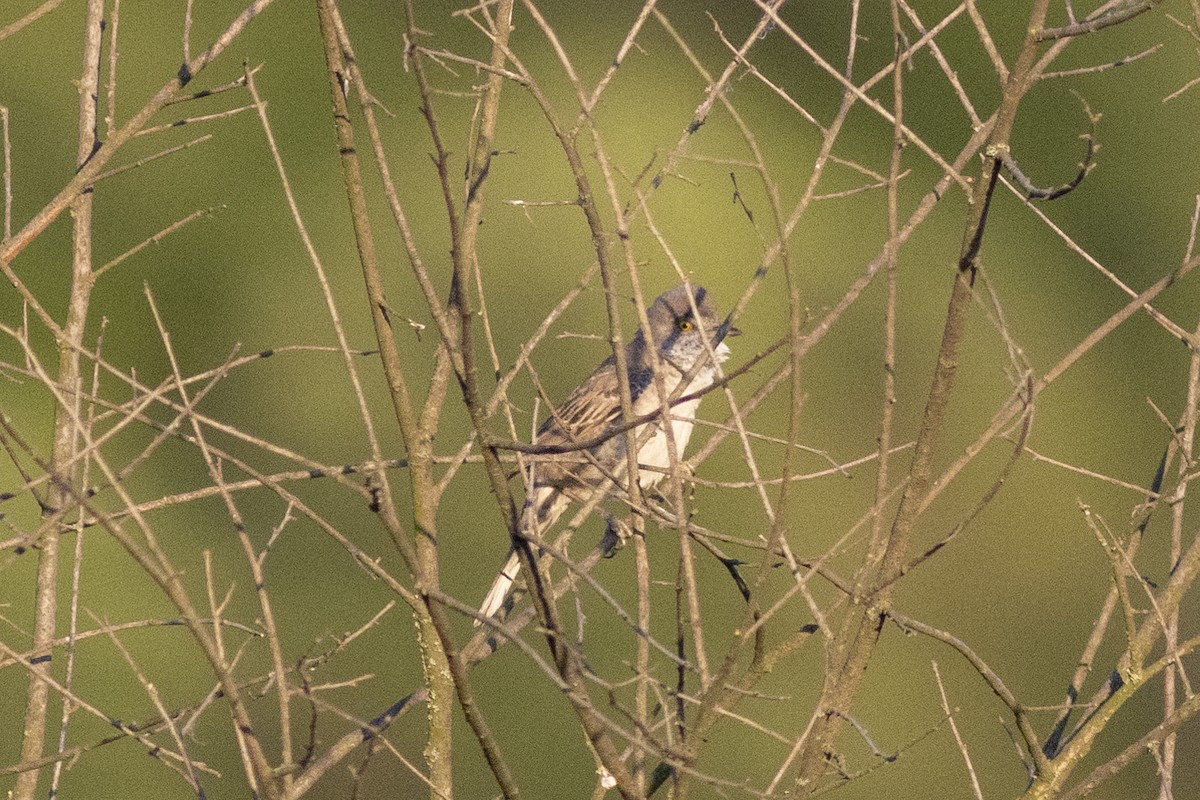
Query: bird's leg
[[615, 533]]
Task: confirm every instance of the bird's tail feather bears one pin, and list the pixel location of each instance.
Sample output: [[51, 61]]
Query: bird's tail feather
[[542, 509], [499, 591]]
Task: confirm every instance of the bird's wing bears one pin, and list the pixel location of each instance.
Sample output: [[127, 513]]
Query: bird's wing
[[588, 411]]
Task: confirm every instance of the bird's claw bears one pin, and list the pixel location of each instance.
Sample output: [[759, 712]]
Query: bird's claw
[[615, 534]]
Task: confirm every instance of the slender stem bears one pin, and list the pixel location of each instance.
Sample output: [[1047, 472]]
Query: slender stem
[[66, 434], [854, 646], [420, 557]]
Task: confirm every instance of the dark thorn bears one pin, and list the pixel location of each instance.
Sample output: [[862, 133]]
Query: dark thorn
[[731, 564]]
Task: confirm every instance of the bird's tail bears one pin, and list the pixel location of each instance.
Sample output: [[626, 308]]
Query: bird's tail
[[500, 587], [542, 509]]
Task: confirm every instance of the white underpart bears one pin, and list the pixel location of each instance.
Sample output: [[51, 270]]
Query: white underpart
[[653, 454]]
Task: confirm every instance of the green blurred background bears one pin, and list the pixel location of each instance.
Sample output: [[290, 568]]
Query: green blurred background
[[1022, 587]]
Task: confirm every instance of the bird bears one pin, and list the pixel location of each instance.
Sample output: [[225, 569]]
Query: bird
[[593, 411]]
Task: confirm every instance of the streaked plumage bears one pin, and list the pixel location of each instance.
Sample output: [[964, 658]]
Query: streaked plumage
[[594, 408]]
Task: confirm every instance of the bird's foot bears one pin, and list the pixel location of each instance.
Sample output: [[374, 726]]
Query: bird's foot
[[615, 534]]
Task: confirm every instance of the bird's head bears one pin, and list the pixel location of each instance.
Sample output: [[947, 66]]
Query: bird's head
[[676, 327]]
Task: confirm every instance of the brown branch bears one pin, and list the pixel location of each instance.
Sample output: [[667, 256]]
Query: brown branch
[[66, 417], [153, 560], [31, 17], [1099, 21], [10, 248], [420, 556], [1085, 166], [854, 646]]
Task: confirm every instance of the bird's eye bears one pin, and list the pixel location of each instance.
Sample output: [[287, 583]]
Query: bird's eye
[[684, 325]]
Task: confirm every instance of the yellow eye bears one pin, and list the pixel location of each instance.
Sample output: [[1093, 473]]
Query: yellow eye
[[684, 325]]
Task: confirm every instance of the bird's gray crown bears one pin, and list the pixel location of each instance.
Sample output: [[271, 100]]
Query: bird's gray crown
[[671, 314], [676, 333], [672, 319]]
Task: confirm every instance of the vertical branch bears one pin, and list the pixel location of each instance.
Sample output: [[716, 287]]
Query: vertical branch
[[100, 155], [463, 253], [480, 164], [69, 706], [7, 155], [891, 254], [447, 357], [445, 673], [63, 469], [110, 100], [641, 706], [154, 561], [1187, 441], [855, 644], [423, 567], [457, 347]]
